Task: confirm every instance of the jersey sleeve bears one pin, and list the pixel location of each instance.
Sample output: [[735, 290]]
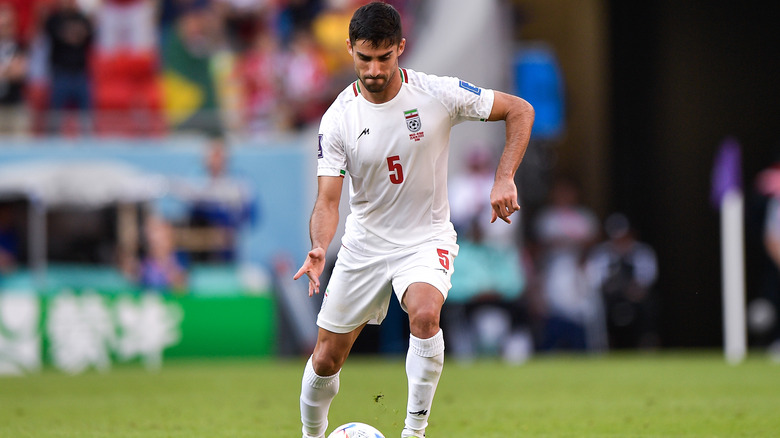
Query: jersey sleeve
[[331, 155], [463, 100]]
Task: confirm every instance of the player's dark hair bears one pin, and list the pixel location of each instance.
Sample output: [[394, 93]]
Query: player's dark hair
[[378, 23]]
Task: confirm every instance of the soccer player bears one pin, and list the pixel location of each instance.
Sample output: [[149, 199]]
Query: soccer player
[[390, 130]]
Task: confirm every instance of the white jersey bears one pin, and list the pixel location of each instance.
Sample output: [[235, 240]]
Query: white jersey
[[396, 155]]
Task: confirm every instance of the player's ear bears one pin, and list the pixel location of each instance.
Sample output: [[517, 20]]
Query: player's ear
[[349, 47], [401, 46]]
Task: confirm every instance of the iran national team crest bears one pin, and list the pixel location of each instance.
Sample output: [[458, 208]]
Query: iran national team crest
[[413, 120], [414, 124]]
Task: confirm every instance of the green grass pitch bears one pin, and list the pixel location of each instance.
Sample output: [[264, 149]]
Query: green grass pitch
[[663, 395]]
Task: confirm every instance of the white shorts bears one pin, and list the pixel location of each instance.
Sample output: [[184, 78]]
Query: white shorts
[[360, 286]]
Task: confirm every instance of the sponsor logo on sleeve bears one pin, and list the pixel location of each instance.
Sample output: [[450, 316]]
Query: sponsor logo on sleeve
[[472, 88], [319, 147]]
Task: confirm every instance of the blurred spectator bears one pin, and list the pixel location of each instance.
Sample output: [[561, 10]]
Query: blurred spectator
[[242, 19], [305, 80], [161, 269], [564, 231], [26, 12], [126, 25], [768, 183], [219, 207], [623, 270], [259, 72], [9, 240], [470, 200], [13, 71], [483, 312], [170, 11], [70, 35], [37, 43], [295, 15]]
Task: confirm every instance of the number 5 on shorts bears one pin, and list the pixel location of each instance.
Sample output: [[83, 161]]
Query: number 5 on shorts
[[444, 258]]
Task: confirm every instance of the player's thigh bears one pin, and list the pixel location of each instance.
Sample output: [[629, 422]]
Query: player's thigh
[[358, 292], [431, 265]]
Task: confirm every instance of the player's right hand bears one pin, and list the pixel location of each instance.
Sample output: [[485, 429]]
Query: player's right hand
[[312, 267]]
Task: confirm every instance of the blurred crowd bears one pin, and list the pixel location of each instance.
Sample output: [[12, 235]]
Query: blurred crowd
[[764, 215], [152, 67], [152, 243], [563, 281]]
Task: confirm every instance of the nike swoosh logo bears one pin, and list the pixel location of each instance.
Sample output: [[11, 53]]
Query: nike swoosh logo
[[365, 131]]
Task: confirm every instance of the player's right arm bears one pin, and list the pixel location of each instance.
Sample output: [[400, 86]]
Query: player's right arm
[[322, 227]]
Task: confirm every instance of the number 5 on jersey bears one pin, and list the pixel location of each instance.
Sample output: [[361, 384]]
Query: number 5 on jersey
[[396, 171], [444, 258]]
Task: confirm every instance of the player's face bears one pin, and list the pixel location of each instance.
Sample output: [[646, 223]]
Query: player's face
[[376, 67]]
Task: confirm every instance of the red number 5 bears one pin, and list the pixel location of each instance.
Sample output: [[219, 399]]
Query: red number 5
[[396, 172], [444, 258]]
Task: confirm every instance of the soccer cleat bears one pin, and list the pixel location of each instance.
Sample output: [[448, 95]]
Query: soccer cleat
[[410, 433]]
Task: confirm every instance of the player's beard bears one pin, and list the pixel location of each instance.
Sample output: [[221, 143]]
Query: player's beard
[[377, 84]]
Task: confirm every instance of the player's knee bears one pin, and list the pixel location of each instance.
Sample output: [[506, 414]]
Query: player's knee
[[424, 323], [327, 361]]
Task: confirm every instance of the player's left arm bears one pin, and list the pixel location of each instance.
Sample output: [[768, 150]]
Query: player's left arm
[[519, 117]]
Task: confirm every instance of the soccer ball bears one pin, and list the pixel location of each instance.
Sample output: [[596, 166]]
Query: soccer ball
[[355, 430]]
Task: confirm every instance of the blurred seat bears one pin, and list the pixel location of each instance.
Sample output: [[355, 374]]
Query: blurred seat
[[127, 94]]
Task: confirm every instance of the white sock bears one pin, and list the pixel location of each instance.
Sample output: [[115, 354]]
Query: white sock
[[424, 363], [316, 394]]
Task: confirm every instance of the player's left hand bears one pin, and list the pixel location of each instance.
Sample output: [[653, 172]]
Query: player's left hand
[[503, 200]]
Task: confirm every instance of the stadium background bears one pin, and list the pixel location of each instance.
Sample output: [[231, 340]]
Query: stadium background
[[651, 91]]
